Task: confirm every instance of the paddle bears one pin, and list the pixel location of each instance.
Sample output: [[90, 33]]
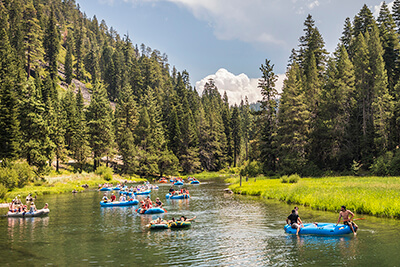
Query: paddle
[[357, 219]]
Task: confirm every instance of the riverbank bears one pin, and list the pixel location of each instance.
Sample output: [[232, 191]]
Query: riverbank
[[204, 176], [64, 184], [378, 196]]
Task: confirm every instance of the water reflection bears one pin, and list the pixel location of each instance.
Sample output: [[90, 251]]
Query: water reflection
[[229, 230]]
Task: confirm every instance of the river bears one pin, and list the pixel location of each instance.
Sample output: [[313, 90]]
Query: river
[[229, 230]]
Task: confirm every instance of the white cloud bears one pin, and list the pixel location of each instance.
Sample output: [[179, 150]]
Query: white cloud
[[376, 9], [251, 21], [237, 87]]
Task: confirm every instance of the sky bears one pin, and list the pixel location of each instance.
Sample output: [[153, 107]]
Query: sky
[[226, 40]]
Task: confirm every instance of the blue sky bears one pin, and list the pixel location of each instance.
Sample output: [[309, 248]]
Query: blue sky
[[227, 40]]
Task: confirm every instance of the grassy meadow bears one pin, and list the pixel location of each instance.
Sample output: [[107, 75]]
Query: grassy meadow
[[378, 196]]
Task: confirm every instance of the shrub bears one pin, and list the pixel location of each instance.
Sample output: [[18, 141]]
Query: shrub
[[284, 179], [105, 172], [294, 178], [3, 191]]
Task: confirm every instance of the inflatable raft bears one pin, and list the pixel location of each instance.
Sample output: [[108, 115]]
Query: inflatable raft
[[178, 183], [37, 213], [151, 210], [119, 204], [320, 229], [106, 189], [180, 196], [155, 225], [143, 192], [195, 182], [180, 224]]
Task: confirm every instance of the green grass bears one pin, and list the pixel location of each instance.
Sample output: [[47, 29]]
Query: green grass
[[211, 175], [379, 196]]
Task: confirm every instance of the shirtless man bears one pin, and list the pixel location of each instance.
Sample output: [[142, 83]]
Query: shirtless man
[[344, 213]]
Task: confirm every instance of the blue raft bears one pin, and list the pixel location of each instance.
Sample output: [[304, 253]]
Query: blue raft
[[195, 182], [178, 183], [119, 204], [180, 196], [106, 189], [143, 192], [320, 229], [151, 211]]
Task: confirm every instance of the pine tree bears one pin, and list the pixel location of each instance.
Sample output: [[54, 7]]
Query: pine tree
[[337, 148], [9, 123], [126, 117], [382, 101], [99, 121], [363, 21], [347, 35], [79, 140], [390, 44], [51, 45], [396, 14], [68, 67], [293, 123], [236, 134], [32, 38], [268, 116], [36, 142]]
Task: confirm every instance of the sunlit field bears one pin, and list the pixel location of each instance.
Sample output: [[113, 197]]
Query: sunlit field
[[379, 196]]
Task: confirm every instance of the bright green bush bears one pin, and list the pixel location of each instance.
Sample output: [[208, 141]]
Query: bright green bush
[[105, 172], [3, 191], [294, 178]]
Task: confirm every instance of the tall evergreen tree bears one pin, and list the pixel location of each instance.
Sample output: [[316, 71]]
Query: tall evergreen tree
[[293, 123], [51, 44], [100, 129], [390, 44], [32, 38], [268, 116], [236, 134], [9, 123], [68, 67]]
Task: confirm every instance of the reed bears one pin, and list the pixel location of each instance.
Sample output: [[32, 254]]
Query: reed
[[378, 196]]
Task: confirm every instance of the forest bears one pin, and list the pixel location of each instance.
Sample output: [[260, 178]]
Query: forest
[[72, 89]]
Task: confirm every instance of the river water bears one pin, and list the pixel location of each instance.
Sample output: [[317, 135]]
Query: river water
[[229, 230]]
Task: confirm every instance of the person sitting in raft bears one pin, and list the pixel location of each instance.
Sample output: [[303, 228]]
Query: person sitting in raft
[[344, 213], [297, 210], [46, 206], [148, 203], [32, 208], [172, 220], [158, 203], [171, 190], [294, 220], [105, 198], [113, 197], [184, 219], [143, 208]]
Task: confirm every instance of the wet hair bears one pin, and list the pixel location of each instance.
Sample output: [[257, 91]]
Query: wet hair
[[293, 211], [344, 207]]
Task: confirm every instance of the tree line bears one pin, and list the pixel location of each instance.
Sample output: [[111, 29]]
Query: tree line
[[337, 113]]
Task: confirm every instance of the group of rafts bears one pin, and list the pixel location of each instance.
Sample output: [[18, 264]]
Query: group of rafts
[[128, 198]]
